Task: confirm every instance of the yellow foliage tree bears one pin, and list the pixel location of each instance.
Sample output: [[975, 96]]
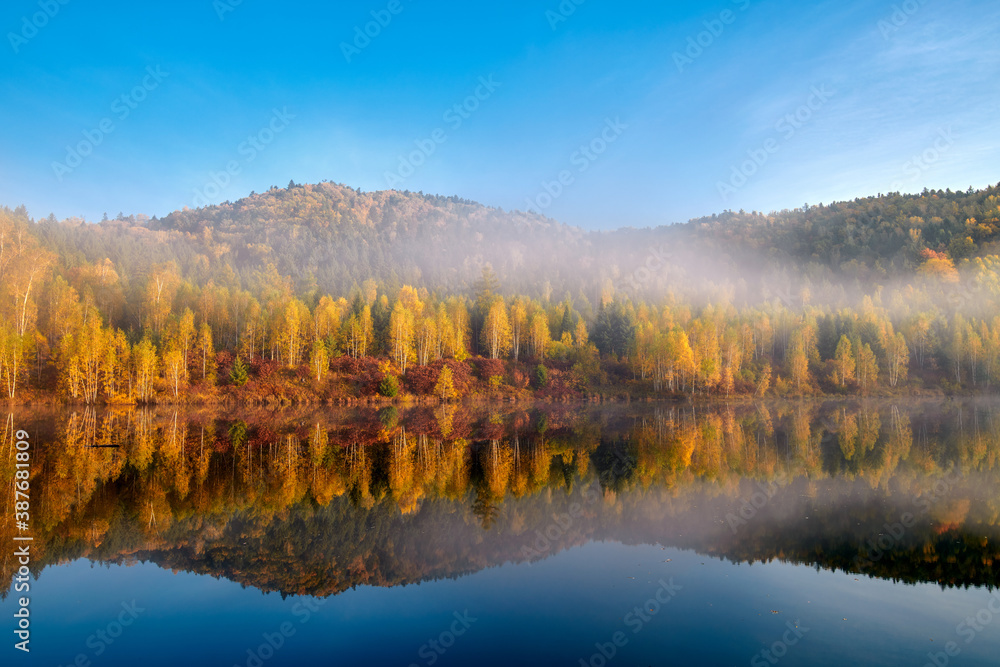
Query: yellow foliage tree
[[445, 387], [496, 330]]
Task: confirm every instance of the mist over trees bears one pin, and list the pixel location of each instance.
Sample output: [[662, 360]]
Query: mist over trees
[[888, 293]]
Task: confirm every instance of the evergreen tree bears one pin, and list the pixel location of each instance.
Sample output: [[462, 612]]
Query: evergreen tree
[[240, 374]]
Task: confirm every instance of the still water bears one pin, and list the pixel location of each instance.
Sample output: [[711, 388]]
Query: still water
[[796, 534]]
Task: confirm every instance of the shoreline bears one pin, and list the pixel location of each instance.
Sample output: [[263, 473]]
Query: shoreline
[[410, 400]]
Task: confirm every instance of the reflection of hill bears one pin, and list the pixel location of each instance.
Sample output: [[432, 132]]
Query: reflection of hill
[[319, 503], [326, 550]]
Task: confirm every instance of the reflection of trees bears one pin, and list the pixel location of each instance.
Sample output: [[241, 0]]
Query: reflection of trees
[[539, 461], [495, 460], [616, 464], [485, 508], [359, 475], [112, 484], [401, 460], [495, 463]]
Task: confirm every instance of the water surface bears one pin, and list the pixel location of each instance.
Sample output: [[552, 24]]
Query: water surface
[[799, 534]]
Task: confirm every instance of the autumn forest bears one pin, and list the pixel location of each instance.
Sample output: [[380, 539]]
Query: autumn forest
[[325, 294]]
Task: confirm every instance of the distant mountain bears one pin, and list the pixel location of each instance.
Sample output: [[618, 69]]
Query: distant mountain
[[335, 237], [330, 238]]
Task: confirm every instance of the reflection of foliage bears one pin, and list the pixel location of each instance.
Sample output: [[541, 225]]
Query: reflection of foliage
[[317, 502], [389, 417], [615, 463], [495, 465], [238, 433], [445, 415], [570, 470], [485, 508], [542, 425]]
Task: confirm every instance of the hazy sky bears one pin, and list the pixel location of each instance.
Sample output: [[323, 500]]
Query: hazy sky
[[642, 109]]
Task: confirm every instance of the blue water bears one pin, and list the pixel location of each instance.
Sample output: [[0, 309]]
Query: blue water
[[571, 604], [599, 539]]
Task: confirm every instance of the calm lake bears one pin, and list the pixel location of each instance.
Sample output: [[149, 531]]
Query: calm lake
[[812, 533]]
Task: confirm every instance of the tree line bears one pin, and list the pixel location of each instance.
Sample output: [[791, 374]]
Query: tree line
[[89, 328]]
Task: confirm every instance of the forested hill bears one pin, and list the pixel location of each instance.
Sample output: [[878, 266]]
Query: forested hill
[[838, 298], [881, 236], [331, 238]]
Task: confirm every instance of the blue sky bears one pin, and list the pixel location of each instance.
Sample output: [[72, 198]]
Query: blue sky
[[192, 101]]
